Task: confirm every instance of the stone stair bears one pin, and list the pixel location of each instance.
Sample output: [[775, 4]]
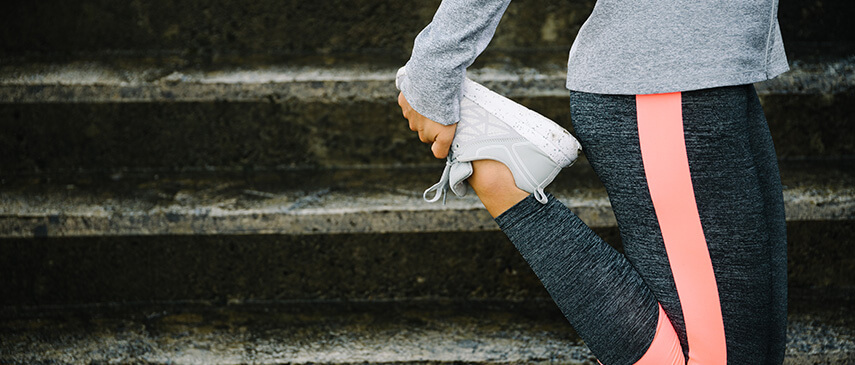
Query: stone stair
[[376, 332], [233, 183]]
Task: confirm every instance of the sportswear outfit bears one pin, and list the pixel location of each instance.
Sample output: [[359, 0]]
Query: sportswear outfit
[[663, 106]]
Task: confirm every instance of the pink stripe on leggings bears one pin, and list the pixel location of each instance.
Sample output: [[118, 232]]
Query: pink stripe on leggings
[[665, 348], [666, 166]]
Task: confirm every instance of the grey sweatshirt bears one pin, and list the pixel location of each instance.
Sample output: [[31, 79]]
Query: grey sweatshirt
[[625, 47]]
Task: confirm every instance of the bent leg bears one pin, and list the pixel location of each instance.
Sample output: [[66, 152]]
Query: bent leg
[[596, 288]]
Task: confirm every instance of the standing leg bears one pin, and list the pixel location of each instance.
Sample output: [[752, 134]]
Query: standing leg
[[734, 231], [766, 162]]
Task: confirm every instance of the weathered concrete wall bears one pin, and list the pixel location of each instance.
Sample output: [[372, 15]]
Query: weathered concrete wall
[[208, 30], [202, 27], [325, 201], [817, 125], [475, 265], [224, 135], [369, 333], [267, 26], [337, 267]]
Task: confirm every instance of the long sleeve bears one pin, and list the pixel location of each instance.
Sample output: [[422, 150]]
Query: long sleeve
[[459, 32]]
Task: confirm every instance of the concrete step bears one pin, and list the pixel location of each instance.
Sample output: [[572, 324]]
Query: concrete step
[[420, 332], [327, 201], [208, 32], [153, 115], [361, 234]]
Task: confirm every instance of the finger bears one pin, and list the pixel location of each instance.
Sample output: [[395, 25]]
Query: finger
[[402, 100], [425, 138], [412, 124], [439, 151], [405, 106], [440, 146]]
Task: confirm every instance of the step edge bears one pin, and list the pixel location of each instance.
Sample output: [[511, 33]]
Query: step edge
[[93, 83], [410, 217]]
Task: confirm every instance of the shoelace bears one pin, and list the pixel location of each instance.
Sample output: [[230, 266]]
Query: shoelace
[[540, 195], [440, 189]]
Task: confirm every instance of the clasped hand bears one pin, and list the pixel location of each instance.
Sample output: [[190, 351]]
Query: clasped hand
[[439, 135]]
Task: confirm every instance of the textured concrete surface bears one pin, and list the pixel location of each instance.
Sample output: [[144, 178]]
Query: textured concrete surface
[[330, 333], [208, 30], [225, 269], [389, 266], [122, 79], [93, 116], [102, 102], [204, 30], [334, 234], [327, 201], [821, 254], [297, 202], [300, 334]]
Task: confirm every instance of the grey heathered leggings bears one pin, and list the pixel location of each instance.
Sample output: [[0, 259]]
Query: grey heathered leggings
[[705, 241]]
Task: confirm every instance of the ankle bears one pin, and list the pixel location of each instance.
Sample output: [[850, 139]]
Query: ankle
[[495, 186]]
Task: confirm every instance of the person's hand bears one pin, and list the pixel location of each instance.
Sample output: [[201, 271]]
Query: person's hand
[[429, 131]]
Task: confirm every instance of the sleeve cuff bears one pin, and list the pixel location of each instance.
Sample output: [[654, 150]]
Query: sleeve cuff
[[437, 102]]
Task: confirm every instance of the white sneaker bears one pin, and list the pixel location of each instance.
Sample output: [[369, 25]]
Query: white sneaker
[[493, 127]]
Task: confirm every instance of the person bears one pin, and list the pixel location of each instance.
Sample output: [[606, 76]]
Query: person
[[662, 102]]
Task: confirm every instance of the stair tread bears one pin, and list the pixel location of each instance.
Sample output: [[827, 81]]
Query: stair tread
[[492, 332], [143, 80], [346, 200]]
